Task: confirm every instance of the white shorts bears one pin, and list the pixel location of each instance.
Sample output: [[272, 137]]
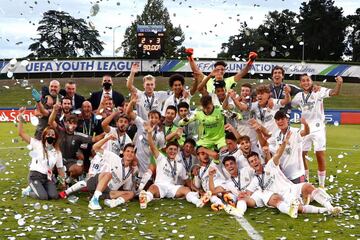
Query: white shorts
[[261, 198], [167, 190], [96, 165], [317, 138], [294, 192]]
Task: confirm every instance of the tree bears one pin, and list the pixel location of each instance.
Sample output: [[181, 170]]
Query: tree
[[154, 13], [61, 35], [239, 46], [280, 35], [276, 37], [323, 27], [353, 36]]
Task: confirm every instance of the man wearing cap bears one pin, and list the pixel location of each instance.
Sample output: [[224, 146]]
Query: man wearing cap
[[217, 74]]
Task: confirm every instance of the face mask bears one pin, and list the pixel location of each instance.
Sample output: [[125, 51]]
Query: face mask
[[107, 85], [50, 140]]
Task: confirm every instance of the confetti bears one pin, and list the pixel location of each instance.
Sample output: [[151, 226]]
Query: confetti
[[34, 120], [94, 9]]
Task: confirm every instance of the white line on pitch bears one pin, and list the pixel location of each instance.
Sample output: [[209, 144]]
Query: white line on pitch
[[253, 234]]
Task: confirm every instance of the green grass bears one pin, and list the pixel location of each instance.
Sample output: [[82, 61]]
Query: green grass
[[162, 217], [16, 96]]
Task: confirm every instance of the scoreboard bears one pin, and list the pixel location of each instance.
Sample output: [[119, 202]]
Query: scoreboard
[[150, 41]]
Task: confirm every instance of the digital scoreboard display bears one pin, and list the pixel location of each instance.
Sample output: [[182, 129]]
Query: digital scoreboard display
[[150, 41]]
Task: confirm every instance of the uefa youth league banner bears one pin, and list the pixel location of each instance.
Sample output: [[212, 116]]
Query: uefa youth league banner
[[124, 65]]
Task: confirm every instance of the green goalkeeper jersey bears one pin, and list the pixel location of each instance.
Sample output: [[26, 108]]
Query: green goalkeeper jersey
[[211, 127]]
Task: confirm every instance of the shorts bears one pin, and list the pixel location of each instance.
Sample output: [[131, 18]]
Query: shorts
[[215, 145], [317, 138], [294, 192], [261, 197], [167, 190], [92, 183]]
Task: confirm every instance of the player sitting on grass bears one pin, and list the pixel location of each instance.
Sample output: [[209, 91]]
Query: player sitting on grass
[[168, 172], [311, 103], [237, 198], [116, 174], [270, 179], [201, 175]]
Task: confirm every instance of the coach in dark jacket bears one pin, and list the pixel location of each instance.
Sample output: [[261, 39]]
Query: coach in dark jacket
[[70, 92], [96, 97]]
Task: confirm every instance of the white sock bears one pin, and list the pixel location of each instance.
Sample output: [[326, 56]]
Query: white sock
[[120, 200], [322, 197], [307, 175], [145, 179], [321, 177], [193, 197], [97, 194], [149, 196], [216, 200], [283, 207], [76, 187], [313, 209], [241, 204]]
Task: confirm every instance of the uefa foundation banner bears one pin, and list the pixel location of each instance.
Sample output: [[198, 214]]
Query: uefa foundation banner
[[124, 65]]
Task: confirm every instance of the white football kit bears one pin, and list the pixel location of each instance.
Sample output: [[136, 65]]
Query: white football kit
[[147, 103], [265, 116], [312, 109], [291, 162], [143, 153], [168, 174]]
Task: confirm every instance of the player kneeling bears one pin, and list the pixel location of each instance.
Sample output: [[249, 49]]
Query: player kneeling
[[270, 178], [168, 171], [116, 174]]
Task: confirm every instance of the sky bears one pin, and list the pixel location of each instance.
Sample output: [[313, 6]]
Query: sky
[[206, 24]]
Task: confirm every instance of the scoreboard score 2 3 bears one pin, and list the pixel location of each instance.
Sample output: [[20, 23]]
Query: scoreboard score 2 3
[[150, 45]]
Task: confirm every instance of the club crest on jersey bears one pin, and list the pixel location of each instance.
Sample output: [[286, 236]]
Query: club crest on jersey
[[73, 142], [267, 173]]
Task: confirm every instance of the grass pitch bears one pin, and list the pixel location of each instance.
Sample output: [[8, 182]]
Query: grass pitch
[[33, 219]]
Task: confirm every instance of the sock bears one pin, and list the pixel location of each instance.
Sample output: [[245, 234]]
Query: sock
[[216, 200], [321, 177], [307, 174], [193, 197], [313, 209], [97, 194], [241, 204], [320, 196], [76, 187], [149, 196], [145, 178], [283, 207], [120, 200]]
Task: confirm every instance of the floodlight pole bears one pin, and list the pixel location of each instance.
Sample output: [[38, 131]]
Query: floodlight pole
[[114, 28]]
